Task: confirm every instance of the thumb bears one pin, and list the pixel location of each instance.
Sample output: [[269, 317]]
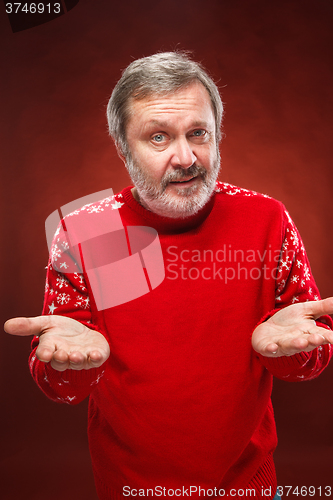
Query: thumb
[[317, 308], [27, 326]]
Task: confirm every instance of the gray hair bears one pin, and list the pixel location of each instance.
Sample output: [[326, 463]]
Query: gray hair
[[160, 74]]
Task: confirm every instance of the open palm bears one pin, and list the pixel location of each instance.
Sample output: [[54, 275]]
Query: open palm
[[63, 342], [293, 329]]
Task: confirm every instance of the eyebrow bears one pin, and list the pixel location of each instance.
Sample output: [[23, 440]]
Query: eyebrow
[[165, 124]]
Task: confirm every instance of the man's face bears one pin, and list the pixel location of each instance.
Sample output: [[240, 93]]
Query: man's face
[[173, 160]]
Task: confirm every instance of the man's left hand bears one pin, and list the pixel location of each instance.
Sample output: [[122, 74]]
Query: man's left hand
[[293, 329]]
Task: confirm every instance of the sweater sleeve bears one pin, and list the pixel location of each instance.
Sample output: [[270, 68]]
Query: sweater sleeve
[[66, 294], [295, 283]]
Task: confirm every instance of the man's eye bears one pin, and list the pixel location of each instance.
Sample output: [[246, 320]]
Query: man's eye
[[159, 138], [199, 133]]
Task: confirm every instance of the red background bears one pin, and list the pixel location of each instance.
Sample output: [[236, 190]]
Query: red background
[[273, 63]]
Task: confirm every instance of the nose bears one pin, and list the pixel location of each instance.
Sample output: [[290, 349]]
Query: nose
[[183, 155]]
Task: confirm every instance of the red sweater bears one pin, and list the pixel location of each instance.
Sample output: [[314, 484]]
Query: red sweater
[[183, 400]]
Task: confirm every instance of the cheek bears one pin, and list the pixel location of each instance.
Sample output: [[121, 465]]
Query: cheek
[[156, 164], [207, 158], [152, 167]]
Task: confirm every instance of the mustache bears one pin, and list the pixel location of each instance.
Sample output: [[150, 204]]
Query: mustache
[[178, 175]]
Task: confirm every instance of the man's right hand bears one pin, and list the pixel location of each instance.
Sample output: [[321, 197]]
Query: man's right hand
[[63, 342]]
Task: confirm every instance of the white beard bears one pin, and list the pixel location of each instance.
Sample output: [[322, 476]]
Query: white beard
[[187, 201]]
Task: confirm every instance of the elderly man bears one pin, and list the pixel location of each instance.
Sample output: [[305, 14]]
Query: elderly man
[[179, 395]]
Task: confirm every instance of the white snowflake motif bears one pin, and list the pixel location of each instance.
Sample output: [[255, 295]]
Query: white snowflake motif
[[65, 245], [95, 209], [294, 238], [107, 201], [315, 297], [82, 302], [63, 298], [306, 272], [46, 379], [233, 192], [55, 253], [62, 282], [294, 299], [230, 189], [302, 283], [310, 291], [63, 264], [116, 204], [299, 263], [294, 279], [285, 244], [76, 212], [52, 308], [281, 285], [285, 263], [79, 277]]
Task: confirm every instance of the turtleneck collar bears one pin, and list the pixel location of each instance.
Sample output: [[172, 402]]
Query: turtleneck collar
[[168, 224]]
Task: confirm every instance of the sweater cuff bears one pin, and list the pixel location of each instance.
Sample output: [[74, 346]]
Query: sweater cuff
[[78, 378], [69, 386], [285, 366]]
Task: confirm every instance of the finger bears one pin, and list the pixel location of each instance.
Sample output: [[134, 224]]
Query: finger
[[269, 349], [44, 353], [77, 360], [286, 347], [317, 308], [317, 339], [27, 326], [306, 341], [96, 359], [46, 348], [60, 361]]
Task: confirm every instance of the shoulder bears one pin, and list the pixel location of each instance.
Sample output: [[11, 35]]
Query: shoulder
[[82, 220], [250, 208], [93, 205], [231, 190], [239, 195]]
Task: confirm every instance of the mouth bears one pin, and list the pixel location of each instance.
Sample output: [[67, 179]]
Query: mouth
[[184, 182]]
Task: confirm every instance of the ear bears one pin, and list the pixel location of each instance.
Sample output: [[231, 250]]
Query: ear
[[120, 154]]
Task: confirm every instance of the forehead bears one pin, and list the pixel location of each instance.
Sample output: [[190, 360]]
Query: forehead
[[190, 104]]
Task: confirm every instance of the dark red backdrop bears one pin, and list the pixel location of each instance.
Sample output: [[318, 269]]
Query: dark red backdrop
[[273, 62]]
